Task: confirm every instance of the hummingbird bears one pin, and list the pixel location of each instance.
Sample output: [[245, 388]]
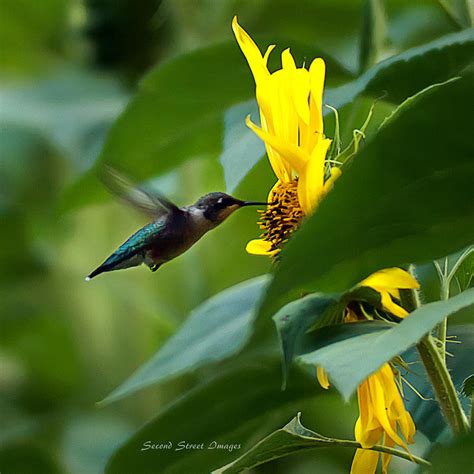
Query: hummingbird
[[173, 229]]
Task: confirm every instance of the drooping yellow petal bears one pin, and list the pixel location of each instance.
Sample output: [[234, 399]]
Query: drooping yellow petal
[[280, 167], [387, 283], [364, 462], [294, 155], [259, 247], [389, 305], [322, 377], [386, 458], [311, 181], [391, 278], [379, 406]]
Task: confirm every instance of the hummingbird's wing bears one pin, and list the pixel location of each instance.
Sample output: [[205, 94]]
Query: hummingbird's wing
[[152, 203]]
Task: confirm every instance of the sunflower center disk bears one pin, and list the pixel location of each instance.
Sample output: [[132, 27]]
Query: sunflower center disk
[[282, 216]]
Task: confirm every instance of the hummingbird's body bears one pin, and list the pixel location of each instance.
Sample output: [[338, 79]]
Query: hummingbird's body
[[173, 231]]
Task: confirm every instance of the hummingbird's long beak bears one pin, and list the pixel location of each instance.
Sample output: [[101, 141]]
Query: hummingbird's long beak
[[253, 203]]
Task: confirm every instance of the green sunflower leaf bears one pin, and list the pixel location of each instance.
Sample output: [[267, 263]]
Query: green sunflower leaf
[[295, 319], [404, 74], [407, 197], [214, 331], [353, 356], [232, 410], [290, 439]]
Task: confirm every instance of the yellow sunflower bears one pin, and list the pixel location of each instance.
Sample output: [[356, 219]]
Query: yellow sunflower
[[290, 103], [382, 414]]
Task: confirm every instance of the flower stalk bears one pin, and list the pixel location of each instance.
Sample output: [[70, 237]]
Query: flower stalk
[[438, 373], [443, 385], [385, 449], [445, 279]]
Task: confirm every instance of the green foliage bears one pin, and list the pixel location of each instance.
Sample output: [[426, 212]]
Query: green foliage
[[394, 79], [28, 458], [242, 148], [399, 215], [293, 437], [214, 331], [290, 439], [177, 115], [405, 198], [405, 74], [342, 359], [228, 409], [468, 386], [455, 457], [425, 411], [373, 34], [296, 318]]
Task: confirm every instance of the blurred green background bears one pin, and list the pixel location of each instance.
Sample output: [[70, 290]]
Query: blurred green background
[[68, 68]]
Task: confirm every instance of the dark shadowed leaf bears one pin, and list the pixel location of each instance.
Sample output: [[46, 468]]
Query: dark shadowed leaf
[[296, 318], [387, 208], [403, 75]]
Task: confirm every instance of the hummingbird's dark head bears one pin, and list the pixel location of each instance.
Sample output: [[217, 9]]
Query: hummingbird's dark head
[[216, 207]]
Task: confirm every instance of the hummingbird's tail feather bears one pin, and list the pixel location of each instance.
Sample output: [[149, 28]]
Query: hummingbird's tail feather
[[97, 271], [117, 261]]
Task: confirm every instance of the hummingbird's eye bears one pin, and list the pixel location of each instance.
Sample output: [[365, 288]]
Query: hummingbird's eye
[[220, 201]]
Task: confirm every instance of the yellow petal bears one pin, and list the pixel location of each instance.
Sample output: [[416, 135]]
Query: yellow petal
[[377, 390], [389, 305], [251, 52], [280, 167], [386, 458], [287, 61], [259, 247], [317, 72], [364, 462], [297, 82], [322, 377], [291, 153], [329, 183], [391, 278], [310, 184]]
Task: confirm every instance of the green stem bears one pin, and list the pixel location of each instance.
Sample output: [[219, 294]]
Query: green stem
[[442, 330], [445, 286], [443, 327], [443, 385], [384, 449], [437, 371]]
